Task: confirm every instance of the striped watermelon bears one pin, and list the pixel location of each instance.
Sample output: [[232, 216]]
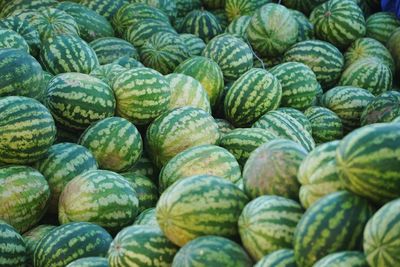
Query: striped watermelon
[[242, 141], [219, 251], [17, 5], [325, 60], [348, 103], [69, 242], [194, 44], [145, 167], [22, 207], [233, 55], [67, 53], [279, 258], [299, 116], [27, 130], [32, 237], [109, 49], [163, 52], [252, 95], [285, 126], [115, 143], [238, 26], [304, 6], [11, 39], [224, 127], [272, 30], [345, 258], [299, 84], [141, 245], [200, 205], [142, 95], [145, 188], [202, 24], [100, 197], [107, 73], [306, 28], [76, 100], [177, 130], [267, 224], [272, 169], [394, 48], [187, 91], [318, 174], [166, 6], [222, 18], [21, 74], [326, 125], [89, 262], [58, 174], [381, 236], [128, 62], [368, 162], [334, 223], [237, 8], [106, 8], [339, 22], [185, 6], [384, 108], [147, 217], [91, 25], [381, 25], [207, 72], [12, 247], [204, 159]]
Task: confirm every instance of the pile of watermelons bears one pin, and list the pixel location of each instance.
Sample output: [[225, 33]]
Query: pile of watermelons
[[199, 133]]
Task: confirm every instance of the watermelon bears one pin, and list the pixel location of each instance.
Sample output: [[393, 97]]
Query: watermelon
[[233, 55], [285, 126], [261, 221], [384, 108], [238, 26], [345, 258], [278, 258], [142, 95], [202, 24], [76, 100], [272, 30], [326, 125], [299, 116], [67, 53], [100, 197], [237, 8], [115, 143], [200, 205], [334, 223], [21, 74], [367, 161], [325, 60], [222, 17], [11, 39], [381, 25], [109, 49], [69, 242], [147, 217], [392, 45], [108, 72], [224, 127], [207, 72], [306, 28], [204, 159], [304, 6], [128, 62], [106, 8], [17, 5], [369, 73], [194, 44], [141, 245], [272, 169], [27, 130], [163, 52], [220, 251], [185, 6], [381, 236], [242, 141], [32, 237], [299, 84], [339, 22], [145, 167], [12, 247], [89, 262], [318, 174], [348, 103], [252, 95], [145, 188], [177, 130], [166, 6]]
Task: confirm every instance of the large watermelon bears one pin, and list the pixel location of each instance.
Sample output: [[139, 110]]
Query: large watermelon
[[11, 39], [381, 25], [106, 8], [345, 258], [394, 48], [384, 108], [202, 24], [109, 49], [237, 8], [17, 5], [12, 247], [326, 125], [238, 26], [278, 258], [32, 237], [194, 44]]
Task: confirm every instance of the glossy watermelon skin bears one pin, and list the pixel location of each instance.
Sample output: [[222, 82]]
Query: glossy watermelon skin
[[220, 252], [262, 218], [279, 258], [32, 237], [141, 245], [326, 125], [194, 215], [106, 8], [69, 242], [12, 246], [381, 25], [89, 262], [27, 130], [384, 108], [315, 237], [110, 49], [237, 8], [381, 236], [360, 168], [346, 258], [202, 24]]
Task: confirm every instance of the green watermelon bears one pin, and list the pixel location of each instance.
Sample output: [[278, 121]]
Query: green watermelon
[[299, 116], [11, 39], [237, 8], [392, 45], [128, 62], [384, 108], [185, 6], [107, 73], [200, 205], [109, 49], [89, 262], [69, 242], [345, 258], [238, 26], [335, 223], [147, 217], [145, 167], [100, 197], [27, 130], [304, 6], [16, 5], [32, 237], [326, 125], [166, 6], [224, 127], [106, 8], [202, 24], [204, 159], [222, 17], [279, 258], [267, 224], [194, 44], [12, 247], [212, 251], [306, 28], [367, 161], [381, 25]]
